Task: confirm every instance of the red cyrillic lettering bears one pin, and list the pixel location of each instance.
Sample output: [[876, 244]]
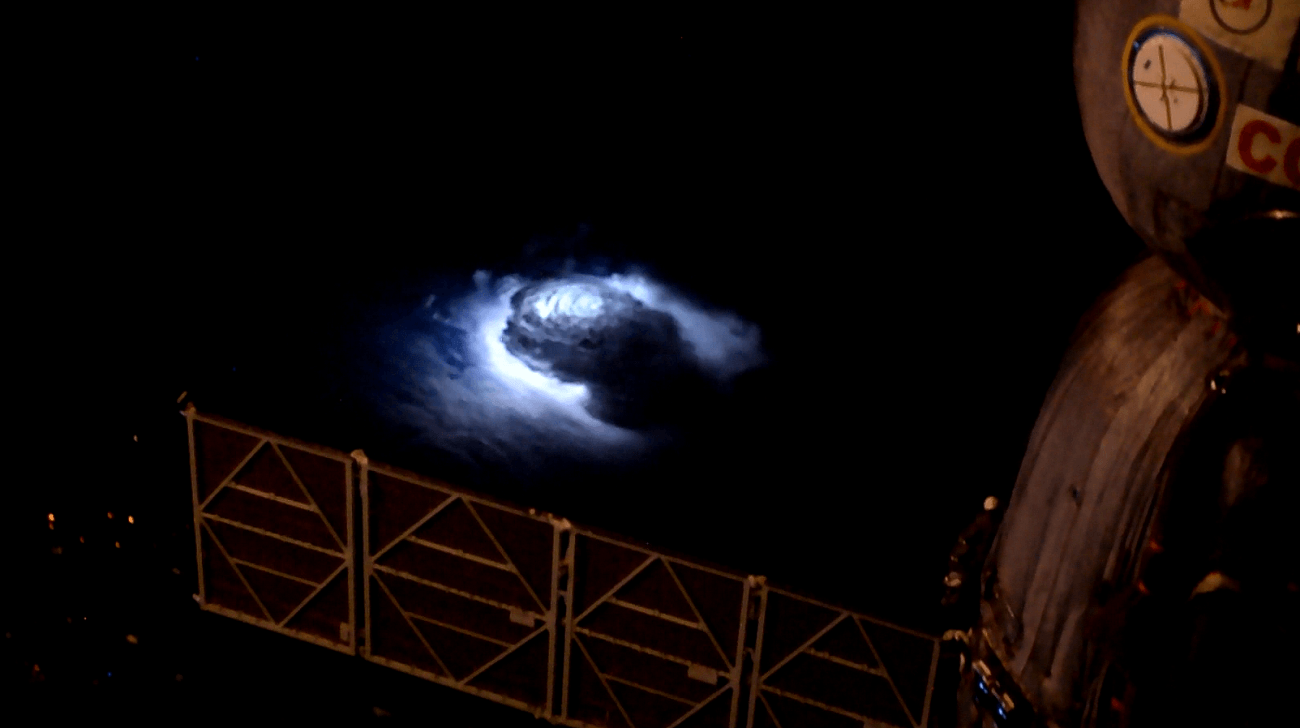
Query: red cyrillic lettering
[[1291, 162], [1247, 138]]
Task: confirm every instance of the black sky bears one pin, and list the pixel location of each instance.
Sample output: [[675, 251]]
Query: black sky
[[903, 201]]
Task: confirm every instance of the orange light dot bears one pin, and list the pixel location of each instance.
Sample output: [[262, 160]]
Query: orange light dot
[[130, 519], [117, 544], [81, 539], [110, 514], [51, 517]]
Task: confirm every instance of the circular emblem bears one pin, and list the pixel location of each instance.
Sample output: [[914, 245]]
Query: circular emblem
[[1241, 16], [1172, 85]]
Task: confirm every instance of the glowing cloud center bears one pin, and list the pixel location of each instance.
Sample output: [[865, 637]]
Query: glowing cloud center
[[515, 373], [573, 300]]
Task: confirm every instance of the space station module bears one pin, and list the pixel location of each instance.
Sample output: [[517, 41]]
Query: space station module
[[1145, 571]]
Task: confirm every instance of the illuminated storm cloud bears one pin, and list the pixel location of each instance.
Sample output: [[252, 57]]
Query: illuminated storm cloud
[[593, 367], [579, 330]]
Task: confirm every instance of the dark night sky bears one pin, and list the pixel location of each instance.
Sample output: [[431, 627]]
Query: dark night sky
[[907, 210]]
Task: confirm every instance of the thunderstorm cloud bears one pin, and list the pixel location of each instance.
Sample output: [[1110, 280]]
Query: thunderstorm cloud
[[517, 371]]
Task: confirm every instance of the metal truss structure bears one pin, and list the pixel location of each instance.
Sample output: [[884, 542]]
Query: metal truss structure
[[814, 661], [273, 531], [576, 626]]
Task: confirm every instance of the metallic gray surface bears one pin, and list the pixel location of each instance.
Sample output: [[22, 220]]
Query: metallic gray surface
[[1092, 475], [1168, 197]]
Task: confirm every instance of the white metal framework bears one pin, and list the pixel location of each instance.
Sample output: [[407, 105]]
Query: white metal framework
[[649, 638], [458, 589], [574, 625], [814, 660], [273, 531]]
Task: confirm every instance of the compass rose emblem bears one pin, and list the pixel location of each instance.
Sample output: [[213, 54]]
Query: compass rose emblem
[[1172, 84], [1169, 83]]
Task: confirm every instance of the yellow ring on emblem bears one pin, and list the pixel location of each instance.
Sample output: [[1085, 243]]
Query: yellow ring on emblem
[[1188, 34]]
